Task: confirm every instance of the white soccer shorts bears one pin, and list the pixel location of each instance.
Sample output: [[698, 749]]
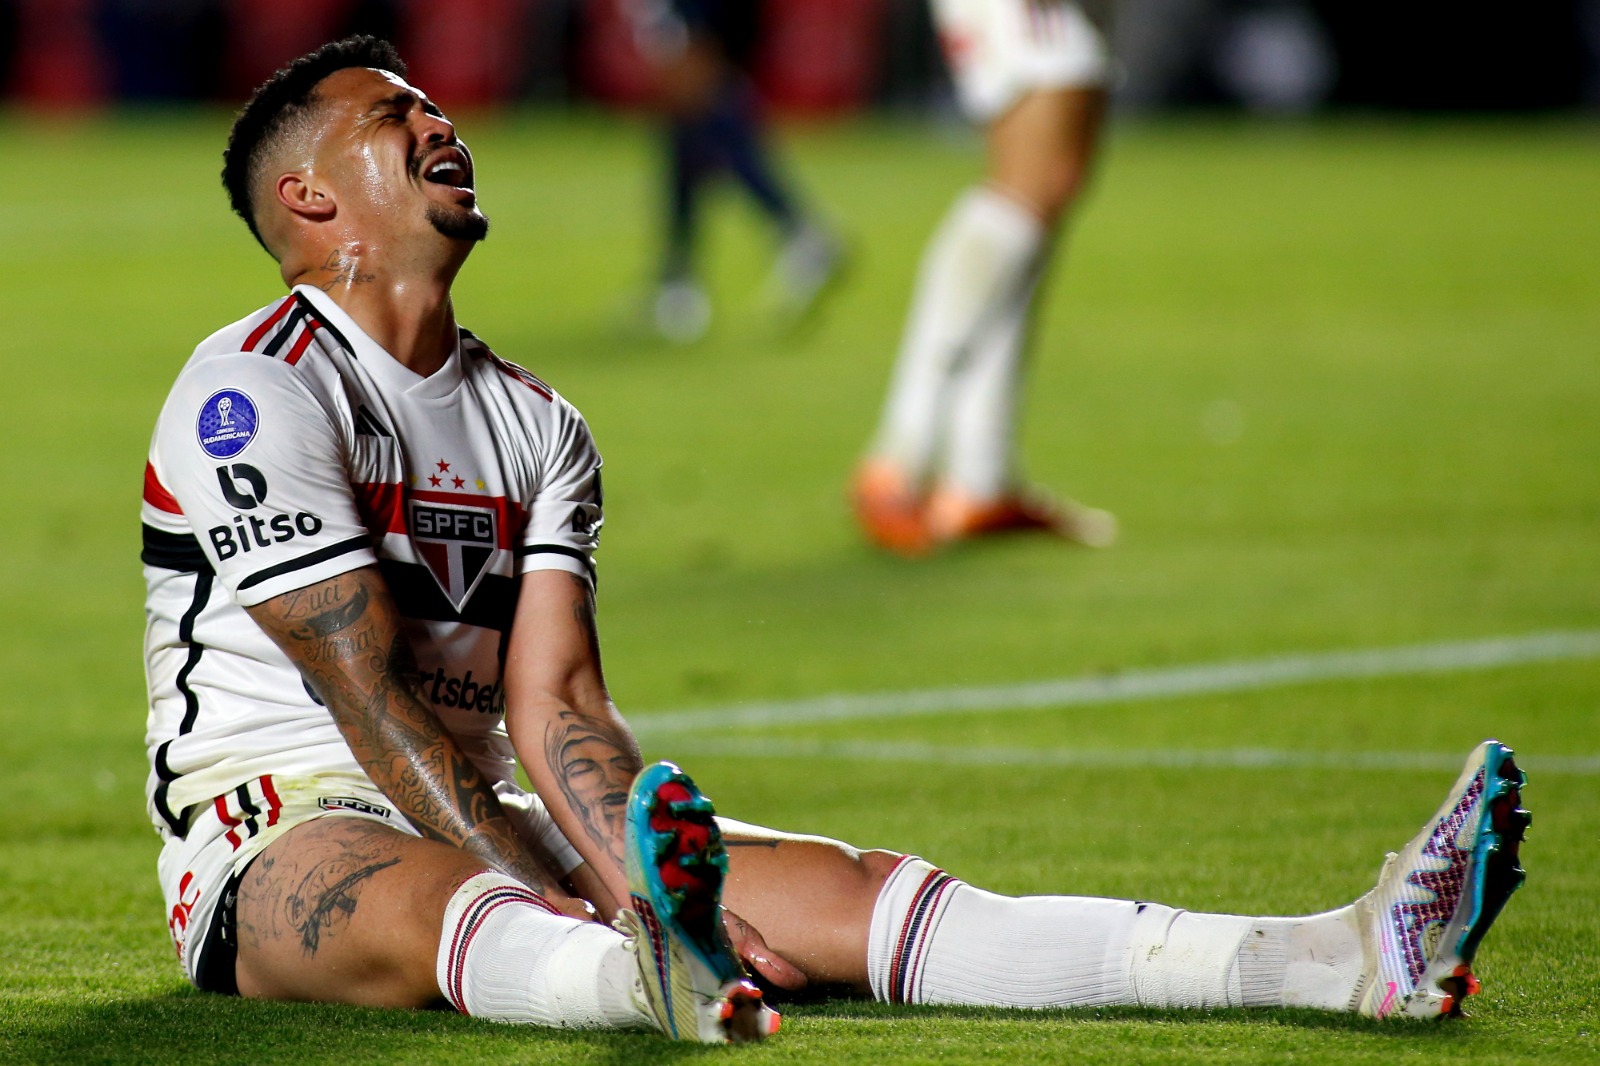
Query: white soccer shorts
[[198, 870], [1000, 50]]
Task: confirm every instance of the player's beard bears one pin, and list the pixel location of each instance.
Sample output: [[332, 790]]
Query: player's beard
[[458, 224]]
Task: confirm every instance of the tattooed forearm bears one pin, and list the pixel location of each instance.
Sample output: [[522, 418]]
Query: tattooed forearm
[[344, 636], [594, 762], [583, 612], [337, 615]]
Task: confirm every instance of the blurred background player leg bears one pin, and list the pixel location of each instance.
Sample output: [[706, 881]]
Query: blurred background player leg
[[701, 48], [1039, 153], [942, 466]]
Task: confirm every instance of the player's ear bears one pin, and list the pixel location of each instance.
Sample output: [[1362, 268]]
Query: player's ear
[[304, 196]]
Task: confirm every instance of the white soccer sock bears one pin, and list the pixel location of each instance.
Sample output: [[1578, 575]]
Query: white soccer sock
[[507, 955], [935, 939], [980, 443], [1183, 959], [983, 253]]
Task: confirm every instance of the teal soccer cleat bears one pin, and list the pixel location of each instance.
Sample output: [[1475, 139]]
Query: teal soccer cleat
[[1437, 898], [693, 981]]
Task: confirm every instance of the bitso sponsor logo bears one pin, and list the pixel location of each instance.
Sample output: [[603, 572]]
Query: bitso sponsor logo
[[245, 487], [227, 423]]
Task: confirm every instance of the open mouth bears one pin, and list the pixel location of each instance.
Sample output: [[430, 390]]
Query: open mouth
[[449, 168]]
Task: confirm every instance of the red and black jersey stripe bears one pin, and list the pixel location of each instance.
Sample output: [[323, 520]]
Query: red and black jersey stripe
[[289, 330], [269, 323], [471, 345]]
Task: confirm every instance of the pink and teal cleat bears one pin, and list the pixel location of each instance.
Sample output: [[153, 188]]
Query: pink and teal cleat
[[694, 983], [1437, 898]]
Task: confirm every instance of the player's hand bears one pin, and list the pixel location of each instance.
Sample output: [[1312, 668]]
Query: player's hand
[[574, 907], [752, 948]]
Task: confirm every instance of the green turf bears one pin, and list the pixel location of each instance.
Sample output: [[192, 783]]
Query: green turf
[[1339, 381]]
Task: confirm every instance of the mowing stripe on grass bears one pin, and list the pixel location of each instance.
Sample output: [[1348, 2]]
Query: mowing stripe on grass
[[1154, 684], [1107, 759]]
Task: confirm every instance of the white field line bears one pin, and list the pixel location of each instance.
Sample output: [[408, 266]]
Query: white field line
[[1109, 759], [1150, 684]]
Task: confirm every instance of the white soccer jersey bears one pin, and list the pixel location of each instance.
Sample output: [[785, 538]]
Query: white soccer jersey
[[292, 449], [998, 50]]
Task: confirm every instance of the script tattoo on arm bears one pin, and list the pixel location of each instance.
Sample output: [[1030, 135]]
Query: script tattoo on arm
[[344, 635]]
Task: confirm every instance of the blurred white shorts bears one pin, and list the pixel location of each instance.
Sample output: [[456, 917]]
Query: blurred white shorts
[[1000, 50], [201, 869]]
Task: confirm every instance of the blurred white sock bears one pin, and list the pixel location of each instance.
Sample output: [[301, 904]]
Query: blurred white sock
[[983, 254], [980, 441]]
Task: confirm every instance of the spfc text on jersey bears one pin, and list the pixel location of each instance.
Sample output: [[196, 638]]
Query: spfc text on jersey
[[456, 542]]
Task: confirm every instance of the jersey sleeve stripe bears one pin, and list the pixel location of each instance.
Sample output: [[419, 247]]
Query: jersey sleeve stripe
[[266, 327], [522, 551], [156, 494], [311, 311], [473, 346], [173, 551], [321, 555], [289, 325], [304, 342]]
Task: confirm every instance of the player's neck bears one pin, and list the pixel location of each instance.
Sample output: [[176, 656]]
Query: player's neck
[[408, 313]]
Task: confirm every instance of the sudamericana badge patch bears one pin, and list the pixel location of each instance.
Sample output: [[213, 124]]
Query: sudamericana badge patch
[[227, 423]]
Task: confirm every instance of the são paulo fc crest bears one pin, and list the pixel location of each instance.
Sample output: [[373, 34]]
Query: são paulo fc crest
[[456, 540]]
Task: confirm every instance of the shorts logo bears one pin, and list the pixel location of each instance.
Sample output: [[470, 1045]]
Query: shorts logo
[[457, 543], [227, 423], [178, 921], [350, 803]]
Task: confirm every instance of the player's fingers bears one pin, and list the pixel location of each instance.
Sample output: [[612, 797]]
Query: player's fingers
[[580, 909], [768, 964]]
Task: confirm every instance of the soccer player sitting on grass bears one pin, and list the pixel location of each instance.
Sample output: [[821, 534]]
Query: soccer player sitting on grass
[[368, 542]]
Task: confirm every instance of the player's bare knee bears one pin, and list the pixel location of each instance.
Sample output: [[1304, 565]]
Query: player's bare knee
[[875, 867], [1062, 189]]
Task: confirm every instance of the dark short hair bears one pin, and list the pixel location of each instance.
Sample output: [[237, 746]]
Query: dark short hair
[[283, 99]]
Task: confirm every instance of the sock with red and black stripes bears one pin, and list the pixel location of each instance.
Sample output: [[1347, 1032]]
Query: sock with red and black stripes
[[936, 939], [506, 954]]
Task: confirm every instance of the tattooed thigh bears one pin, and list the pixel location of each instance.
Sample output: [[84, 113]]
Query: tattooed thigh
[[306, 889]]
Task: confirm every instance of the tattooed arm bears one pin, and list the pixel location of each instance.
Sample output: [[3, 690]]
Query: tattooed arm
[[344, 635], [578, 752]]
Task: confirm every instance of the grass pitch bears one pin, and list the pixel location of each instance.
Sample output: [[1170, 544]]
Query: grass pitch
[[1338, 381]]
